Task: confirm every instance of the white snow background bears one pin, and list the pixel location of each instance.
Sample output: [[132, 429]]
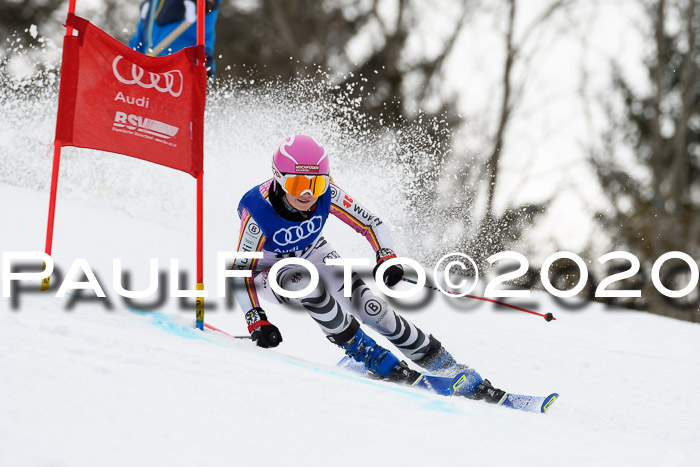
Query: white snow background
[[93, 386]]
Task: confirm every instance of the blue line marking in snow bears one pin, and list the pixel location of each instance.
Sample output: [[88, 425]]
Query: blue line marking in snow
[[167, 324], [178, 329]]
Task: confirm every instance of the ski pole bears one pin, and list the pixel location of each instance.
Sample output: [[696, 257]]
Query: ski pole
[[547, 317], [214, 328]]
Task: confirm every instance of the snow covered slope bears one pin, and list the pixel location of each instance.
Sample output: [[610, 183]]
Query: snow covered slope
[[89, 386]]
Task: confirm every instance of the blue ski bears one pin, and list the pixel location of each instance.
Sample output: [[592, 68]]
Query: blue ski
[[529, 403], [463, 384]]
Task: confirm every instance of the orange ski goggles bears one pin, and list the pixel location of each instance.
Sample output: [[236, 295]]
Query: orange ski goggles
[[299, 185]]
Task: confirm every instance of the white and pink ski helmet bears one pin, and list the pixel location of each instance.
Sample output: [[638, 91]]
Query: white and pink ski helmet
[[300, 155]]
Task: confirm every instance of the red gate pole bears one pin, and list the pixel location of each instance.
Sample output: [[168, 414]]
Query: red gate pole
[[200, 249], [52, 207], [54, 178], [71, 11], [200, 191]]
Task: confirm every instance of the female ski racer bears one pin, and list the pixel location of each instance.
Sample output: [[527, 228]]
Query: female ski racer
[[283, 218]]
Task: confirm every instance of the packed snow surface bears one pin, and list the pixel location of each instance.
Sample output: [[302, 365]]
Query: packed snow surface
[[96, 383], [89, 385]]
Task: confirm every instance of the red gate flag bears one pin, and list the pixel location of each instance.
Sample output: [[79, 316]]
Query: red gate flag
[[115, 99]]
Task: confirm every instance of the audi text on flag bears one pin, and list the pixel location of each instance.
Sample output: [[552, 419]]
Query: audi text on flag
[[118, 100]]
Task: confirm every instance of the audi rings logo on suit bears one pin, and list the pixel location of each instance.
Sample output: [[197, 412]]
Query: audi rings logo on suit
[[299, 232]]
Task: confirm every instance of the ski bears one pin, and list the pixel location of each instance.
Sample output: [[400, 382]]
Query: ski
[[533, 404], [451, 386]]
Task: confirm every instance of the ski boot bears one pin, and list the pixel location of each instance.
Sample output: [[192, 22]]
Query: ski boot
[[439, 362], [378, 361]]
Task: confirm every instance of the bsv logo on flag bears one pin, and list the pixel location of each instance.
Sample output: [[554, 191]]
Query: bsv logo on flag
[[170, 81], [144, 125], [298, 232]]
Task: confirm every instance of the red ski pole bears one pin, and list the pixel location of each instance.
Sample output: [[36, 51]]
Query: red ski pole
[[548, 316]]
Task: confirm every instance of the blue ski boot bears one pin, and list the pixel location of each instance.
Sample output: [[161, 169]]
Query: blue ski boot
[[377, 360], [439, 362]]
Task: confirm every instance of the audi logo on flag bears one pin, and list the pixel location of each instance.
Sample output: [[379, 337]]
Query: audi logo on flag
[[170, 81], [295, 233]]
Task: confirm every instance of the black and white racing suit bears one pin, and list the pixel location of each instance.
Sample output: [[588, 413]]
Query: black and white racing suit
[[326, 304]]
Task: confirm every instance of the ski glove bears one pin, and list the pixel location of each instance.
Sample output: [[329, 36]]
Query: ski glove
[[262, 332], [394, 273]]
